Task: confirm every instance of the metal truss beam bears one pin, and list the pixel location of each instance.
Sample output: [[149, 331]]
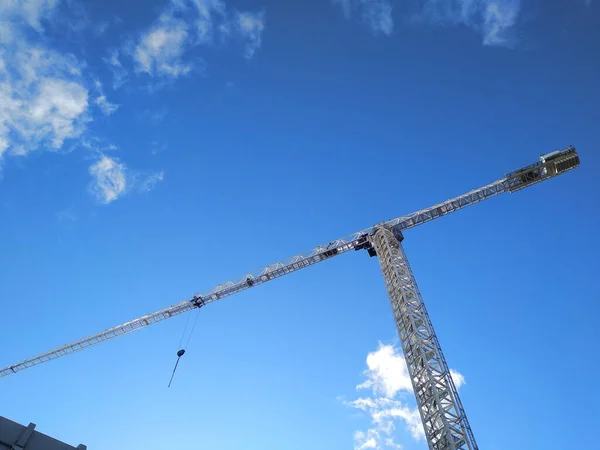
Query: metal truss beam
[[443, 416], [562, 162]]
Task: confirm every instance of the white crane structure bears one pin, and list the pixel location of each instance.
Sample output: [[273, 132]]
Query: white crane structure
[[442, 414]]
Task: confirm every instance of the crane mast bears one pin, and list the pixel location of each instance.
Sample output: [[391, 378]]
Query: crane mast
[[444, 420], [442, 414]]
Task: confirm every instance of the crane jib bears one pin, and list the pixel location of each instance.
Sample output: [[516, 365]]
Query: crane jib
[[549, 166]]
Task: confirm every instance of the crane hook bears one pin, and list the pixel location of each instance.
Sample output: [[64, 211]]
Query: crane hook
[[180, 353]]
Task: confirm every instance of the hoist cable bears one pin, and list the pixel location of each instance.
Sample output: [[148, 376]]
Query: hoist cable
[[179, 355], [184, 330], [181, 350], [192, 330]]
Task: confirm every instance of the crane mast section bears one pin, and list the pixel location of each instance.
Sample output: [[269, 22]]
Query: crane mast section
[[556, 163], [444, 419]]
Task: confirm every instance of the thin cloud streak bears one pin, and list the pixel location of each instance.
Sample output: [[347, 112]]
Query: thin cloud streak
[[494, 20], [376, 14], [166, 50]]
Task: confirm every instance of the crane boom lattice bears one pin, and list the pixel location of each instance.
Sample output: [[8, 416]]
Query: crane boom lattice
[[560, 162], [444, 419]]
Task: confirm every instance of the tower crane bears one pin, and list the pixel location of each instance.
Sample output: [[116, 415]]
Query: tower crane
[[444, 420]]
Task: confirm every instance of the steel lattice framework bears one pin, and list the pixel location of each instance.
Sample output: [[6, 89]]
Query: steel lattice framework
[[442, 414], [444, 420]]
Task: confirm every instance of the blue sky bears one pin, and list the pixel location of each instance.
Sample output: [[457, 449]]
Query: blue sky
[[150, 150]]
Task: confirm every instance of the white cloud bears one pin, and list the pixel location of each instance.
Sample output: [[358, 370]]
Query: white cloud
[[165, 49], [160, 50], [364, 440], [105, 106], [96, 145], [44, 99], [148, 182], [55, 110], [457, 378], [384, 413], [117, 69], [102, 102], [3, 146], [6, 33], [32, 12], [389, 442], [499, 18], [250, 26], [206, 8], [109, 180], [495, 20], [43, 94], [386, 372], [377, 14], [388, 379], [208, 11]]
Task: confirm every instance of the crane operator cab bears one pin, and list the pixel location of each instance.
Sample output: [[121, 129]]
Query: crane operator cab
[[549, 165], [560, 161]]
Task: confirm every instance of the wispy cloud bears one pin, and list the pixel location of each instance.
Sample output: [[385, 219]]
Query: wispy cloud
[[167, 50], [157, 147], [160, 50], [109, 179], [376, 14], [389, 382], [211, 15], [45, 99], [105, 106], [95, 145], [119, 72], [251, 26], [147, 182], [43, 93], [495, 20], [499, 19], [43, 96], [102, 102], [32, 12]]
